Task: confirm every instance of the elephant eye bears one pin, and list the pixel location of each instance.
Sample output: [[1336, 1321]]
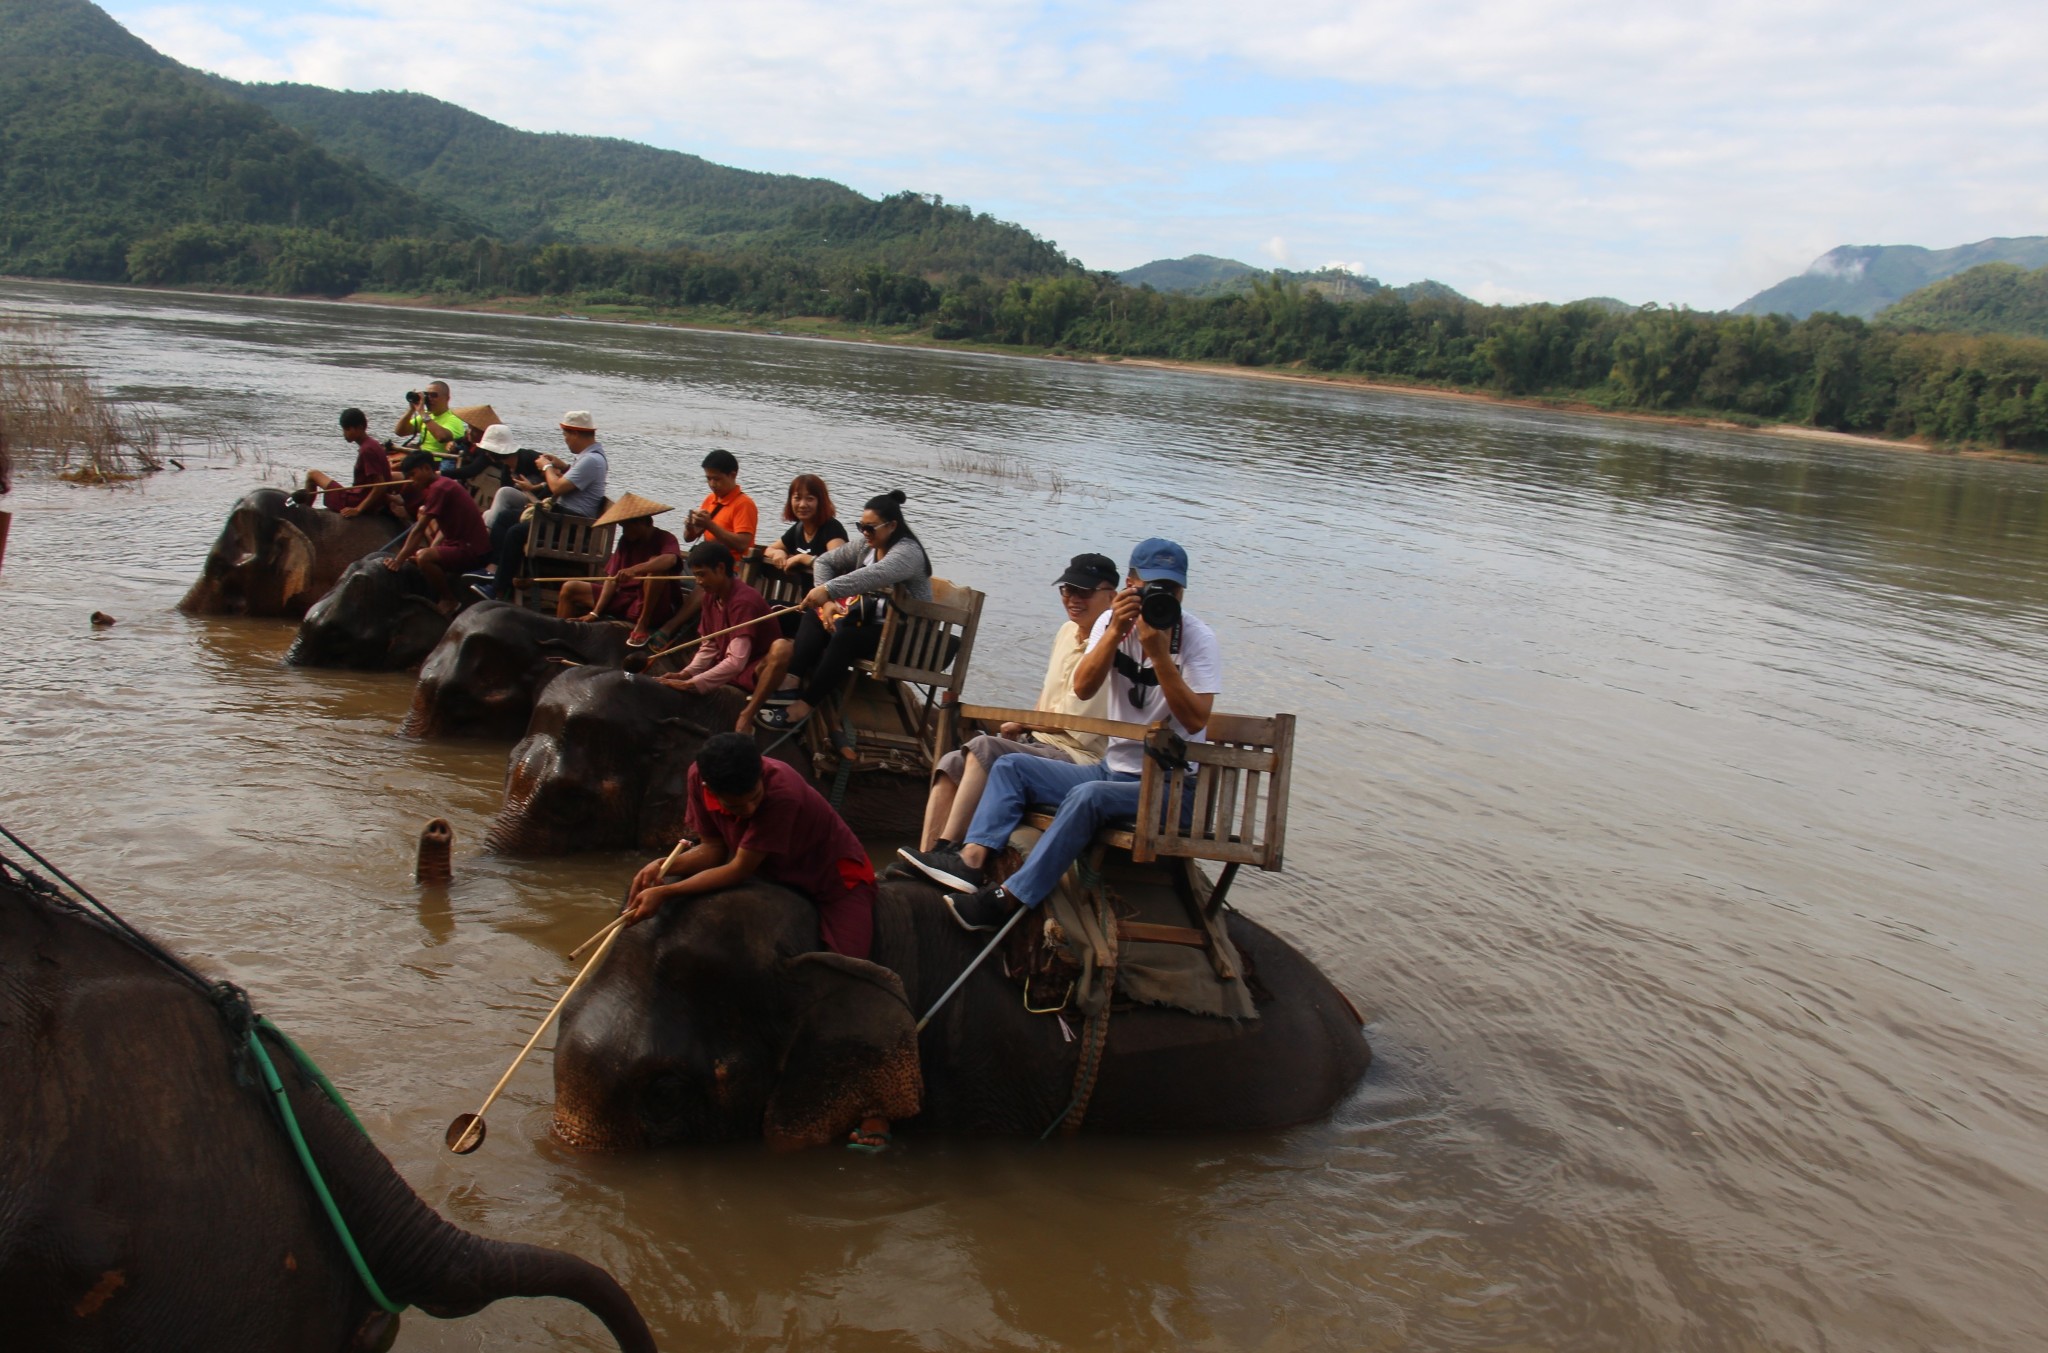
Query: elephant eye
[[664, 1095]]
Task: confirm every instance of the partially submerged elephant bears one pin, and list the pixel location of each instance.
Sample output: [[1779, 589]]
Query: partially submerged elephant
[[482, 679], [601, 767], [149, 1197], [377, 619], [720, 1020], [602, 764], [275, 558]]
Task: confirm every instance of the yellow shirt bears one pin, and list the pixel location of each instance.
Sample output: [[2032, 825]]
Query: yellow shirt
[[1057, 696]]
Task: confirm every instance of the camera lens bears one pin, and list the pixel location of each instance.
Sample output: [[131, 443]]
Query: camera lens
[[412, 396], [1159, 606]]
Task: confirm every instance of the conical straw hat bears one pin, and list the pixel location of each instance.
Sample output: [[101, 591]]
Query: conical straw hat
[[479, 416], [629, 507]]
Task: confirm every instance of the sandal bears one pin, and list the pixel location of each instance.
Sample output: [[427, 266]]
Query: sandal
[[777, 718], [869, 1141]]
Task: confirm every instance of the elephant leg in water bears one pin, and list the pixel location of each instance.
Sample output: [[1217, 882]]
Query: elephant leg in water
[[149, 1198]]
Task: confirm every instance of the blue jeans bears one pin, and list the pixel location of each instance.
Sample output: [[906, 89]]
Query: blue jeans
[[1088, 796]]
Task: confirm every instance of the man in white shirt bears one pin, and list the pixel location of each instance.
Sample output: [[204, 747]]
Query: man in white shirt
[[1170, 670], [1086, 590]]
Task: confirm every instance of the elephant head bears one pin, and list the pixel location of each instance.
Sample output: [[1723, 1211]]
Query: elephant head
[[603, 761], [376, 619], [484, 675], [273, 557], [720, 1020]]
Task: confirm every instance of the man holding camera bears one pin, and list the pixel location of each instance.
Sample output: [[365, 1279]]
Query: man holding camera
[[1160, 662], [427, 414]]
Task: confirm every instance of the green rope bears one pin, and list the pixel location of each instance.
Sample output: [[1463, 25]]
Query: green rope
[[291, 1127]]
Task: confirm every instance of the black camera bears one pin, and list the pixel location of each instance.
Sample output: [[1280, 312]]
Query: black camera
[[1159, 604], [412, 396]]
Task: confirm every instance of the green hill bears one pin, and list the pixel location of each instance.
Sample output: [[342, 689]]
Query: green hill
[[1198, 274], [539, 187], [1862, 279], [105, 143], [1992, 298]]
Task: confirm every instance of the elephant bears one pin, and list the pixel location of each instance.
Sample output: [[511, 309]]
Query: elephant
[[602, 764], [481, 680], [151, 1198], [376, 619], [719, 1020], [275, 558]]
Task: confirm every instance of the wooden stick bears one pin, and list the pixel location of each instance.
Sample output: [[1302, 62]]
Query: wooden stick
[[596, 960], [682, 844], [692, 643], [604, 577]]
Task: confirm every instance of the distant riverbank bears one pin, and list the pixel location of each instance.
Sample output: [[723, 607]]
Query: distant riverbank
[[837, 331]]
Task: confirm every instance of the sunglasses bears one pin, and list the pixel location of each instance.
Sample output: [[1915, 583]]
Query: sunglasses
[[868, 528], [1069, 590]]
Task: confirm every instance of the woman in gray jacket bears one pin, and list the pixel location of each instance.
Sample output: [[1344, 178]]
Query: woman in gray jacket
[[850, 583]]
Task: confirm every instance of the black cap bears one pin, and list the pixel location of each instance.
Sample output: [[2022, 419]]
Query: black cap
[[1090, 571]]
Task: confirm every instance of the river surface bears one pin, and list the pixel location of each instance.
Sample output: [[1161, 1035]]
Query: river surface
[[1673, 803]]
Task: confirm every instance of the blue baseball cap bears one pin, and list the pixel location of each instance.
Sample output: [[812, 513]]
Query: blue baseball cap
[[1157, 559]]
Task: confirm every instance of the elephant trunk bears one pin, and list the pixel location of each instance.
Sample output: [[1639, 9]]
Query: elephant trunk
[[484, 1271]]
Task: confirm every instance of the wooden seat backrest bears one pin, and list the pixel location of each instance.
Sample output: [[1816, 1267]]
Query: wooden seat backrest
[[779, 588], [559, 544], [484, 488], [929, 643], [1238, 787]]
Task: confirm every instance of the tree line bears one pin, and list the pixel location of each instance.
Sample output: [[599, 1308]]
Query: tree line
[[1825, 371]]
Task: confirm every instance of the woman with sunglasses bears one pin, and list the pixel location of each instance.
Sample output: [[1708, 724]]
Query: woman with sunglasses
[[842, 622]]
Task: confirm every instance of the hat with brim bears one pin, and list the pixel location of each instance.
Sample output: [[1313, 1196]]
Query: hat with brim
[[630, 507], [1089, 572], [1160, 560], [498, 440], [479, 416], [578, 420]]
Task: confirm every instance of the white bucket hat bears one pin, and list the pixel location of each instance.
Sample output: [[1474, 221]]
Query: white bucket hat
[[498, 440], [578, 420]]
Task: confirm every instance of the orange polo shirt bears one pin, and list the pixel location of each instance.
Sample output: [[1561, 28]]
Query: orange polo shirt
[[736, 514]]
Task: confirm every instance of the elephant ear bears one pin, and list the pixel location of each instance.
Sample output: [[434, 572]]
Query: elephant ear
[[292, 560], [852, 1052]]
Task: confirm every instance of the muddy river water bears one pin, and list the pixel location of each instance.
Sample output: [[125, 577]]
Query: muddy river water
[[1673, 803]]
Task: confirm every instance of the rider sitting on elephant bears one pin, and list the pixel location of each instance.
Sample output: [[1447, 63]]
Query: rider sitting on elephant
[[1176, 659], [754, 817], [1086, 590], [834, 634], [462, 542], [373, 467], [728, 603], [637, 577]]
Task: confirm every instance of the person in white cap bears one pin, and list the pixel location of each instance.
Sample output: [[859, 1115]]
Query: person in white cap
[[576, 485]]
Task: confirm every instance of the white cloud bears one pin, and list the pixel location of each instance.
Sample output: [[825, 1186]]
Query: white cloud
[[1692, 153], [1277, 250]]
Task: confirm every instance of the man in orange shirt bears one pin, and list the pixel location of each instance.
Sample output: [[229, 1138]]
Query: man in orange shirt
[[727, 515]]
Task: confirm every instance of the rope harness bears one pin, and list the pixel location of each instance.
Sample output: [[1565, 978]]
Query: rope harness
[[231, 1003]]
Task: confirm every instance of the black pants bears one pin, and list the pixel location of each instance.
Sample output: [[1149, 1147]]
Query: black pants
[[511, 554], [823, 657]]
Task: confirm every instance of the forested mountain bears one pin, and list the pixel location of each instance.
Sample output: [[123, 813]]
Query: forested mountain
[[538, 188], [1197, 273], [105, 143], [1862, 279], [1992, 298], [1207, 275]]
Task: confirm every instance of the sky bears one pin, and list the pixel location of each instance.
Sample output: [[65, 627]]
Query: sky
[[1534, 150]]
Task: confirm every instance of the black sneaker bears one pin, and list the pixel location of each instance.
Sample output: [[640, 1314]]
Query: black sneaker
[[900, 869], [942, 865], [983, 909]]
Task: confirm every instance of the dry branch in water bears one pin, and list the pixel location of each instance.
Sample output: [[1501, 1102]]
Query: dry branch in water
[[55, 417]]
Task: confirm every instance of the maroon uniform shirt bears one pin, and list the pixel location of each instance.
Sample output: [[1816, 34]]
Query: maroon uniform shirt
[[808, 847]]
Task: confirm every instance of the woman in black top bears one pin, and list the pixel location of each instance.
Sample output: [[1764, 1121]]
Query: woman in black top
[[813, 529]]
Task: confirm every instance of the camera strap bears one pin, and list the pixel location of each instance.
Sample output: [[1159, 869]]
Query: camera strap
[[1141, 675]]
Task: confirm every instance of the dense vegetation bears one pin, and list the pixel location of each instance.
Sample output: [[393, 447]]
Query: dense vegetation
[[1996, 298], [104, 143]]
